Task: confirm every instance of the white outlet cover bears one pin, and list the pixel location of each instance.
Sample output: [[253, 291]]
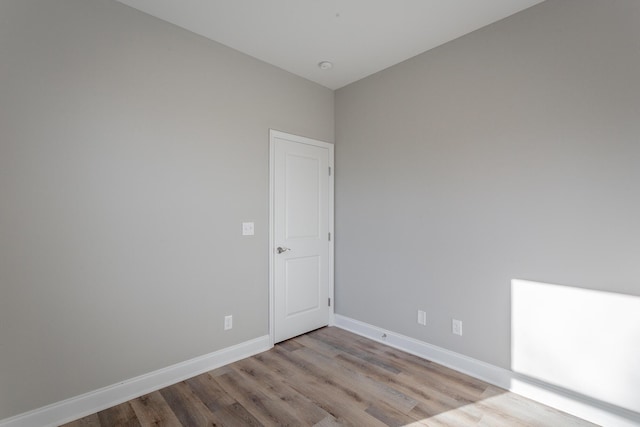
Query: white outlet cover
[[456, 327], [422, 317], [247, 229], [228, 322]]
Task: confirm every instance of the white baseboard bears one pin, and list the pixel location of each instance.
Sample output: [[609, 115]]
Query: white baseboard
[[564, 400], [106, 397]]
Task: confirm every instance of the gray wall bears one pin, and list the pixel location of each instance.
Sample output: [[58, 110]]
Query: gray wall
[[512, 152], [130, 153]]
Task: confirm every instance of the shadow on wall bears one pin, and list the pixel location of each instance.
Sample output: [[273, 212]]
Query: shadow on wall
[[583, 341]]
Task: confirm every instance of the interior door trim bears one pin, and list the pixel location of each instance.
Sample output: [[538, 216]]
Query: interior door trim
[[273, 134]]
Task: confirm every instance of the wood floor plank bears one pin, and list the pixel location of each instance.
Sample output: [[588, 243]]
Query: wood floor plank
[[328, 422], [291, 345], [435, 413], [319, 346], [236, 415], [389, 418], [152, 410], [355, 348], [431, 401], [121, 415], [258, 377], [88, 421], [343, 407], [335, 383], [270, 412], [331, 377], [458, 387], [412, 365], [371, 389], [518, 409], [187, 407], [209, 392], [382, 402]]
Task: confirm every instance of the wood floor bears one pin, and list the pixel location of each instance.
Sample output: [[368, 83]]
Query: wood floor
[[331, 377]]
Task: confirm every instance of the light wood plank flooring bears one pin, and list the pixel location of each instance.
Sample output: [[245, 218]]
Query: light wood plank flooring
[[331, 377]]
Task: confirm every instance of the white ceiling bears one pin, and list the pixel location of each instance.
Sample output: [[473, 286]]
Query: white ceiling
[[360, 37]]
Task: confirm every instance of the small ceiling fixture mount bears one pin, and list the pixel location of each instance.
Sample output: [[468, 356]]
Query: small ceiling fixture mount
[[325, 65]]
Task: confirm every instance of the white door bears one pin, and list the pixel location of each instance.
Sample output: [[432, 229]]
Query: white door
[[301, 247]]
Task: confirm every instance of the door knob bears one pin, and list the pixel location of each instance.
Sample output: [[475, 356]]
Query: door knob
[[281, 249]]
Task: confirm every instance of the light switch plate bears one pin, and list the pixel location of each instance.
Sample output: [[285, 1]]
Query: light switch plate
[[247, 229]]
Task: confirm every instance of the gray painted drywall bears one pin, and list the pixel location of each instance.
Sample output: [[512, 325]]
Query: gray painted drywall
[[130, 153], [512, 152]]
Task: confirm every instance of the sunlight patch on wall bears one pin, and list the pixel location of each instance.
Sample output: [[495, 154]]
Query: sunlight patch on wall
[[582, 340]]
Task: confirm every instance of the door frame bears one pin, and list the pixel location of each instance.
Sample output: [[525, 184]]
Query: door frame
[[309, 141]]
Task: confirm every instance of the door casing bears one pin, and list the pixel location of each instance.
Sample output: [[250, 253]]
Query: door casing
[[273, 134]]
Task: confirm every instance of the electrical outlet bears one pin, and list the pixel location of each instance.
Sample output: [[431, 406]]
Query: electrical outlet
[[456, 327], [228, 322], [422, 317], [247, 229]]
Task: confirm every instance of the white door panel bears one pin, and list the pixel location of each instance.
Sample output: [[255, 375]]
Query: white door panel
[[300, 227], [302, 210], [302, 281]]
